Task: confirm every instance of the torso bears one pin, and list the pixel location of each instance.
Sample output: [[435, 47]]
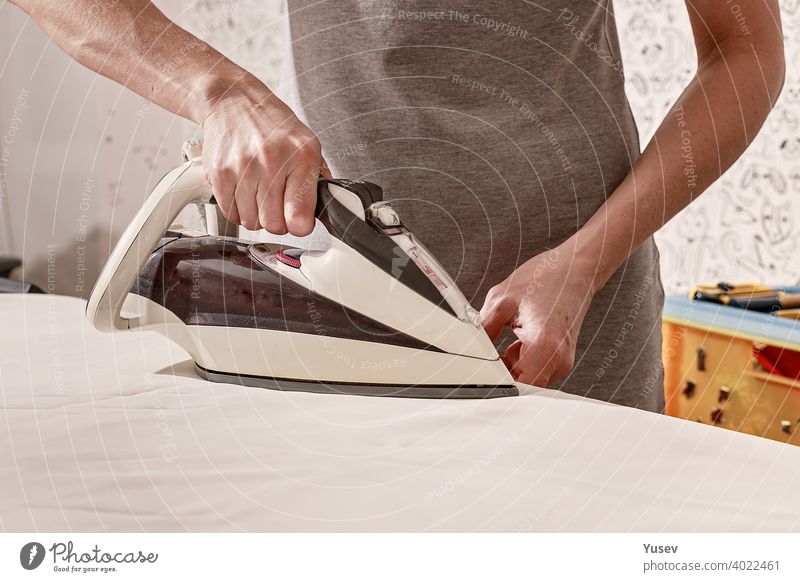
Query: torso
[[497, 127]]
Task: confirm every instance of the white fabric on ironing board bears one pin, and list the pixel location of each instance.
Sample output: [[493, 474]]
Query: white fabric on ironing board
[[100, 432]]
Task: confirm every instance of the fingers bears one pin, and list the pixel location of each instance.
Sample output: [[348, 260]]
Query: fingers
[[535, 374], [300, 195], [271, 186], [497, 311], [286, 201], [525, 367], [511, 355], [223, 186], [542, 361], [245, 196], [270, 203], [300, 199]]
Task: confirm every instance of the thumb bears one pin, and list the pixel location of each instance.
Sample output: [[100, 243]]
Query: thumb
[[495, 314]]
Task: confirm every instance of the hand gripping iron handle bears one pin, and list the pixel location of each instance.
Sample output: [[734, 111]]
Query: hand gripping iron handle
[[179, 188]]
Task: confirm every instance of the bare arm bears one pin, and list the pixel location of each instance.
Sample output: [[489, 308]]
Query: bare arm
[[740, 74], [259, 158]]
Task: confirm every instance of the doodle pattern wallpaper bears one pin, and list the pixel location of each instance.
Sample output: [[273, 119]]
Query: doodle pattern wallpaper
[[745, 226], [105, 150]]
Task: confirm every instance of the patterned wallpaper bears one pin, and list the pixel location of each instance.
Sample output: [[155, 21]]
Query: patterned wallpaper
[[743, 228], [252, 33]]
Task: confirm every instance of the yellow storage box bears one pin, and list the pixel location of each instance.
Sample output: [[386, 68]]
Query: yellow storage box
[[715, 370]]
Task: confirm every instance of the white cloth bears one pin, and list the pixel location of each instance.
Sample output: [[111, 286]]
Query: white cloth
[[117, 433]]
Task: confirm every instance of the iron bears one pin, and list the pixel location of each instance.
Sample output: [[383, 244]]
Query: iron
[[371, 312]]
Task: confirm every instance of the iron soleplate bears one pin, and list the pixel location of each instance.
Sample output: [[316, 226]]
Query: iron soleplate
[[465, 392]]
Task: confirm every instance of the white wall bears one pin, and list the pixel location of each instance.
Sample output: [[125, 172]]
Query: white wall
[[81, 156], [84, 152]]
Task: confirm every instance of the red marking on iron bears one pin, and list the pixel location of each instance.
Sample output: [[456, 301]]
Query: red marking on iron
[[287, 260]]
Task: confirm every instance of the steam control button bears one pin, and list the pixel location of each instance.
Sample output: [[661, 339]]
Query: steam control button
[[385, 215], [288, 257]]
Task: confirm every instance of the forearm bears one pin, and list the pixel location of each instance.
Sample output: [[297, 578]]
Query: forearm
[[708, 128], [135, 44]]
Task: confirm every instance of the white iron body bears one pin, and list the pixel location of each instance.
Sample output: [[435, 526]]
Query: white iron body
[[459, 360]]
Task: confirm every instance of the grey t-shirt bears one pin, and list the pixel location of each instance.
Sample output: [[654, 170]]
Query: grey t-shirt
[[497, 128]]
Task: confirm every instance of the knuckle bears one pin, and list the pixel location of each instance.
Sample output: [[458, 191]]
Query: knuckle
[[495, 297], [298, 221], [267, 154], [504, 304], [299, 228], [219, 172], [311, 147], [305, 147], [274, 224], [248, 221], [278, 139], [243, 162]]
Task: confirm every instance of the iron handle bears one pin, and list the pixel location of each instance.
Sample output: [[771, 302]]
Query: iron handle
[[173, 193]]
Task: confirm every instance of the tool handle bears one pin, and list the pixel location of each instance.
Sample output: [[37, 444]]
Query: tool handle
[[342, 208], [698, 295], [353, 195], [764, 304], [173, 193], [790, 300]]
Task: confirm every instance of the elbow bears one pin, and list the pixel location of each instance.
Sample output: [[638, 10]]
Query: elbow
[[762, 63], [773, 68]]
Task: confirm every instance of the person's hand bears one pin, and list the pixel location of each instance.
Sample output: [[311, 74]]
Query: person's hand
[[544, 301], [262, 162]]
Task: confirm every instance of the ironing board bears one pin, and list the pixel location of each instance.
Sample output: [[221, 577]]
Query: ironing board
[[117, 433]]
